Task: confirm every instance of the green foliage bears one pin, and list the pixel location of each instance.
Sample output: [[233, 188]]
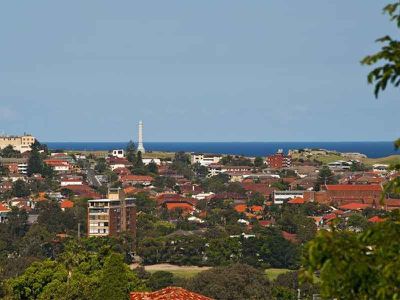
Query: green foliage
[[144, 203], [281, 185], [77, 274], [230, 160], [114, 279], [130, 152], [325, 176], [20, 189], [35, 162], [232, 282], [389, 72], [101, 166], [356, 265], [160, 279], [258, 162], [9, 152]]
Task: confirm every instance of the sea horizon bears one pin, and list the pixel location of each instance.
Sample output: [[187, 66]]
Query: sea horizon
[[372, 149]]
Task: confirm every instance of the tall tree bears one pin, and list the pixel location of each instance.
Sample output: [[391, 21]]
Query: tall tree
[[114, 279], [130, 152], [35, 162]]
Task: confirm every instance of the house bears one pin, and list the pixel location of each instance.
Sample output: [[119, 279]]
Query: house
[[280, 197], [4, 210], [61, 166], [186, 207], [120, 153], [168, 293], [135, 179], [297, 200], [71, 180], [117, 162], [65, 204], [354, 206], [5, 186], [156, 161], [15, 165]]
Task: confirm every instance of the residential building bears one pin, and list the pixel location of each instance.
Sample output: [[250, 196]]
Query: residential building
[[20, 143], [279, 160], [112, 216], [204, 159], [283, 196], [120, 153], [135, 179], [4, 210], [15, 165], [348, 193]]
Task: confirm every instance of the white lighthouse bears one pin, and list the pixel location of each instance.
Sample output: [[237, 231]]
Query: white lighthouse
[[140, 136]]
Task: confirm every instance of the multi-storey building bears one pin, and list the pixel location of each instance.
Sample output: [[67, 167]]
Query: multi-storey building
[[20, 143], [279, 160], [112, 216], [204, 159]]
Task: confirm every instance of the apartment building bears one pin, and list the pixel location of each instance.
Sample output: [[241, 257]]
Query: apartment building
[[19, 143], [279, 160], [112, 216]]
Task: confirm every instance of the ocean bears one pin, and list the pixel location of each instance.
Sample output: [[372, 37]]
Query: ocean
[[371, 149]]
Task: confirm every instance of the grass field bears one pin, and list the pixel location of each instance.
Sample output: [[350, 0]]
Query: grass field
[[178, 271], [272, 274], [190, 271]]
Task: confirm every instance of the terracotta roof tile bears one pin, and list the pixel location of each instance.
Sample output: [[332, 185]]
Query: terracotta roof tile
[[169, 293]]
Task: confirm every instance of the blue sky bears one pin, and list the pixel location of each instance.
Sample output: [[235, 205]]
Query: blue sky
[[193, 70]]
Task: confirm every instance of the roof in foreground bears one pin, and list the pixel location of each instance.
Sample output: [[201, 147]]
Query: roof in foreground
[[169, 293]]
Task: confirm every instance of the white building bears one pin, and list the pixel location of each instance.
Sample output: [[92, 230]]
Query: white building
[[380, 168], [282, 196], [146, 161], [204, 159], [120, 153]]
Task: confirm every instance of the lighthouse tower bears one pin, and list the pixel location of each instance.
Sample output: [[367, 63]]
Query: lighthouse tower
[[140, 136]]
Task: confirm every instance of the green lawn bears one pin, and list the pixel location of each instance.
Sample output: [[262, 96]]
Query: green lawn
[[178, 271], [272, 274]]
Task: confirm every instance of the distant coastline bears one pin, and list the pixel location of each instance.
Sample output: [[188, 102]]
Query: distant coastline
[[371, 149]]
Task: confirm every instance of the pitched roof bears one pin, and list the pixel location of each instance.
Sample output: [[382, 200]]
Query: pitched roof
[[3, 208], [240, 208], [256, 208], [297, 200], [67, 204], [168, 293], [376, 219], [354, 206], [136, 178], [182, 205], [354, 187]]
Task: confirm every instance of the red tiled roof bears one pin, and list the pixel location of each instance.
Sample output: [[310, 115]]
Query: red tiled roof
[[291, 237], [297, 200], [376, 219], [67, 204], [354, 206], [182, 205], [3, 208], [328, 217], [142, 178], [169, 293], [354, 187], [240, 208], [256, 208], [265, 223]]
